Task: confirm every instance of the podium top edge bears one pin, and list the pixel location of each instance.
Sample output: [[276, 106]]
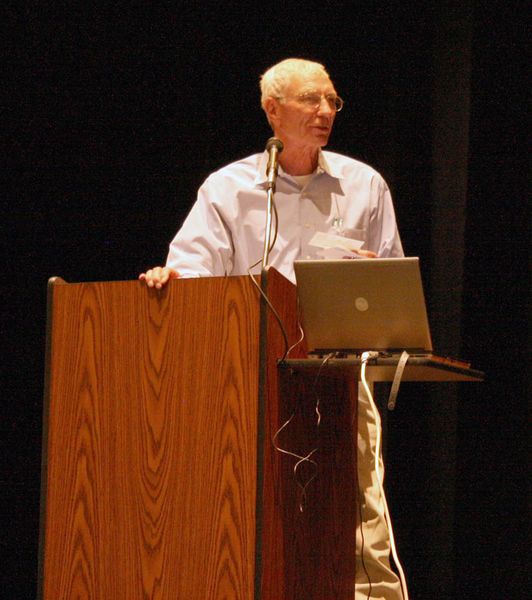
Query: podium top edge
[[56, 280]]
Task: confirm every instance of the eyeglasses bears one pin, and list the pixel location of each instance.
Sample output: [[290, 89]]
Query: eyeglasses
[[313, 100]]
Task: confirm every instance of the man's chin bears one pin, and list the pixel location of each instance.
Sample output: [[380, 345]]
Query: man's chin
[[322, 136]]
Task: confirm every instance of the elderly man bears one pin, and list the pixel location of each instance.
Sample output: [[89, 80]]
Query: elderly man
[[316, 191]]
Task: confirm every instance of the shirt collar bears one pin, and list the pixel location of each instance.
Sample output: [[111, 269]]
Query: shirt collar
[[324, 166]]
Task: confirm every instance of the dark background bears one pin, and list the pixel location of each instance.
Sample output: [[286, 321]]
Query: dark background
[[115, 116]]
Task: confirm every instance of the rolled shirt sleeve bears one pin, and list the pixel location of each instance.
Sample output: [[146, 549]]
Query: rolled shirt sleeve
[[203, 246]]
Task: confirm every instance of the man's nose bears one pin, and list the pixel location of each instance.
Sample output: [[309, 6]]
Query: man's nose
[[324, 107]]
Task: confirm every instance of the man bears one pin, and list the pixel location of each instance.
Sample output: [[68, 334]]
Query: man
[[316, 191]]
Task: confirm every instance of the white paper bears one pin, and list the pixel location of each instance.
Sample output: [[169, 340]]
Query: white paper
[[327, 240]]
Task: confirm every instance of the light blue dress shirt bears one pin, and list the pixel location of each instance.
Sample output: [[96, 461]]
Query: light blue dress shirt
[[224, 232]]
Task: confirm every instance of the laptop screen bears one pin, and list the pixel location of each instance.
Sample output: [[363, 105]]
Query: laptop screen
[[363, 304]]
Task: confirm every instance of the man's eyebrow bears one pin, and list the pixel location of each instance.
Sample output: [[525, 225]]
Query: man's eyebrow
[[315, 91]]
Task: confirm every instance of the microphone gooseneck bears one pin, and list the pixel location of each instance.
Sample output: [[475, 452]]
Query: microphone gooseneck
[[274, 147]]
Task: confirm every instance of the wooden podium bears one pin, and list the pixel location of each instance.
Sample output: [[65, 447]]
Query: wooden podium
[[160, 479]]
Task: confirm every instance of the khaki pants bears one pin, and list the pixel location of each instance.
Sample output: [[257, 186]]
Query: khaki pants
[[384, 582]]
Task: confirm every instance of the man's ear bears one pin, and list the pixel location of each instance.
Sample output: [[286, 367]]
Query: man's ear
[[271, 108]]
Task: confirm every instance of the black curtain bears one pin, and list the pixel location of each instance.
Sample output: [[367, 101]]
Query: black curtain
[[116, 115]]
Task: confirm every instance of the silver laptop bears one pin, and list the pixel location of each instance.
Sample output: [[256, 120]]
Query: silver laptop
[[363, 304]]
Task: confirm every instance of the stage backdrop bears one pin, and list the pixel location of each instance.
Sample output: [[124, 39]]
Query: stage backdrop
[[116, 116]]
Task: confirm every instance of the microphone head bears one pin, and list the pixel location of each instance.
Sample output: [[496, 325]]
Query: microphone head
[[273, 141]]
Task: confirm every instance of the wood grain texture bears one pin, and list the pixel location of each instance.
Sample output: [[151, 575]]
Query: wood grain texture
[[151, 441], [309, 554], [319, 525], [152, 465]]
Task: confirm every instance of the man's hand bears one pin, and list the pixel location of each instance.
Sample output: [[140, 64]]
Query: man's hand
[[362, 254], [158, 276], [366, 253]]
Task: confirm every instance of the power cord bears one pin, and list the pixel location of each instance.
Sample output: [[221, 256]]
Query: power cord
[[366, 356]]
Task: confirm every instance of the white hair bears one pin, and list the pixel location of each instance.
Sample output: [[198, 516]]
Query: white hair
[[276, 79]]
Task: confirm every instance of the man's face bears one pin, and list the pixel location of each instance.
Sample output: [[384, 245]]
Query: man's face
[[299, 124]]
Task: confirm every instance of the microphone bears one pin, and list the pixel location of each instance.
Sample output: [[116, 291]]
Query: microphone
[[274, 147]]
